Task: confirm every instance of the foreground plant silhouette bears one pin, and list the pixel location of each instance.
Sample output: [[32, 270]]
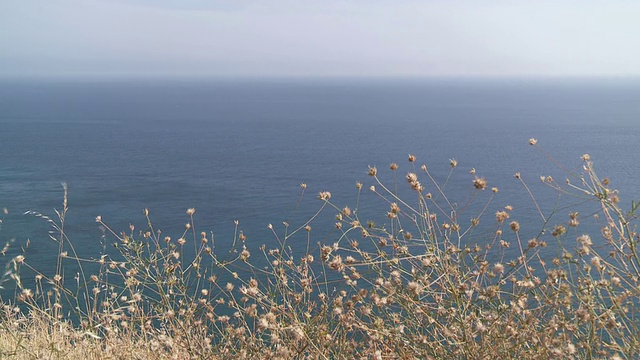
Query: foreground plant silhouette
[[425, 281]]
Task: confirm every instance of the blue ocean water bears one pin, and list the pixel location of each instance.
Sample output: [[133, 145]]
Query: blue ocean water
[[238, 149]]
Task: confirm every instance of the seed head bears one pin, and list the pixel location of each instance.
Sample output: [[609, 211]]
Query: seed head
[[372, 171], [411, 177], [585, 240], [558, 230], [515, 226], [502, 216], [412, 158], [533, 141], [480, 183], [393, 166], [324, 195]]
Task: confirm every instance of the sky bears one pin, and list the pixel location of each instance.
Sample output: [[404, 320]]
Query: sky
[[236, 38]]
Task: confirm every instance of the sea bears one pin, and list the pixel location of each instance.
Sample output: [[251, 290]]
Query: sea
[[239, 149]]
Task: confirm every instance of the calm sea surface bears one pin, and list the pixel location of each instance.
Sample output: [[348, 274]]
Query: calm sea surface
[[240, 149]]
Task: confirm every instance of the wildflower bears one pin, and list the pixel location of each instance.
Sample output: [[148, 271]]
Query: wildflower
[[412, 158], [303, 186], [245, 254], [372, 171], [515, 226], [393, 166], [412, 177], [414, 288], [586, 157], [615, 281], [533, 141], [453, 162], [324, 195], [191, 211], [26, 294], [585, 240], [395, 208], [501, 216], [558, 230], [480, 183], [498, 268], [533, 243], [19, 259]]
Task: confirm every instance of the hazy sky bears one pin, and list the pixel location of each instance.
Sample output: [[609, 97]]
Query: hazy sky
[[319, 38]]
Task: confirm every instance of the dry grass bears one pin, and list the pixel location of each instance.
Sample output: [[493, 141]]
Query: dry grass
[[429, 281]]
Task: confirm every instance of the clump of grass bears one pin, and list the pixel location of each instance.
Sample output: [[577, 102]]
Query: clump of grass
[[429, 278]]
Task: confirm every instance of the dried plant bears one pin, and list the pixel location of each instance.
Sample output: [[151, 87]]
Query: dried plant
[[429, 279]]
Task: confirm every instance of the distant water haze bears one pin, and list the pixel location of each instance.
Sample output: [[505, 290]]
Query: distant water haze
[[318, 38]]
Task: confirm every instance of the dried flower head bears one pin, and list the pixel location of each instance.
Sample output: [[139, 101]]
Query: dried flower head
[[373, 171], [324, 195], [502, 216], [533, 141], [480, 183], [412, 158], [558, 230]]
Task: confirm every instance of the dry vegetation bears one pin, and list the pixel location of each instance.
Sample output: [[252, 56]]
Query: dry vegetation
[[425, 284]]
